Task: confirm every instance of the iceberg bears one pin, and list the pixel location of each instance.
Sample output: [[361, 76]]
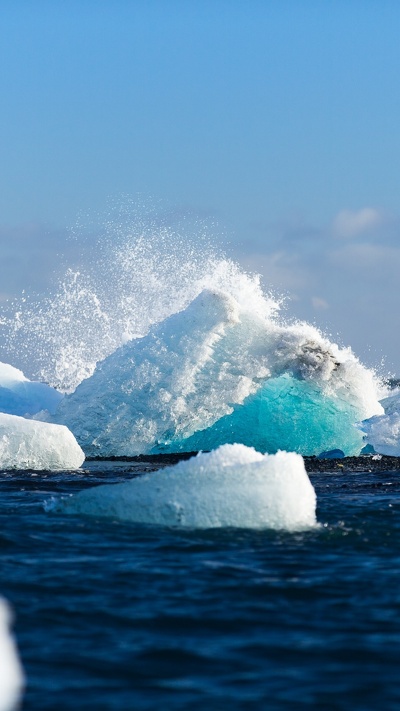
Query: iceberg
[[20, 396], [27, 444], [11, 674], [383, 432], [233, 486], [223, 370]]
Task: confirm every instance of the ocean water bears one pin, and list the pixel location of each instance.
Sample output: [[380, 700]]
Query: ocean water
[[111, 615]]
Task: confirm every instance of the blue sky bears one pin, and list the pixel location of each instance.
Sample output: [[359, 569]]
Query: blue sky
[[277, 119]]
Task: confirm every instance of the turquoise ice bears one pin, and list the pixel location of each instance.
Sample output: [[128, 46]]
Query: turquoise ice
[[225, 369]]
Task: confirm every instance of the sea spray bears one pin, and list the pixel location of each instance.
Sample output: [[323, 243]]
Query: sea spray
[[135, 273], [166, 345]]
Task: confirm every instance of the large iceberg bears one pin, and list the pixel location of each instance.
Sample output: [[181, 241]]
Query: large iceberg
[[383, 432], [11, 674], [223, 370], [20, 396], [231, 486], [27, 444]]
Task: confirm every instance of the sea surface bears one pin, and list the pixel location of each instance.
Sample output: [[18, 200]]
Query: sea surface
[[112, 616]]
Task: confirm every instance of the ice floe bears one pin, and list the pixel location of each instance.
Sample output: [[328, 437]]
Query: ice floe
[[231, 486], [27, 444]]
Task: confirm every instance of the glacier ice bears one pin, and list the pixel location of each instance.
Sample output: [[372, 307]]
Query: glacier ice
[[231, 486], [223, 370], [20, 396], [27, 444], [11, 674], [383, 432]]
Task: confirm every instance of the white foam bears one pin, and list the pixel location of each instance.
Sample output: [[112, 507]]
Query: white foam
[[11, 674], [27, 444], [154, 270], [231, 486]]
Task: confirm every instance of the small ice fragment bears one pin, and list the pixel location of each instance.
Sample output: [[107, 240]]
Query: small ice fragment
[[11, 674]]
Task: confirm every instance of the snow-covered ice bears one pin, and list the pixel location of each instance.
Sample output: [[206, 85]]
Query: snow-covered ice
[[231, 486], [27, 444], [11, 674]]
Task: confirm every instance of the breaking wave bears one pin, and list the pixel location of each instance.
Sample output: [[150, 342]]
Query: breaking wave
[[136, 270]]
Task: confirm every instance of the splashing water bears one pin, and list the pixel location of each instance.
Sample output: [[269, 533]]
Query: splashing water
[[139, 271], [190, 352]]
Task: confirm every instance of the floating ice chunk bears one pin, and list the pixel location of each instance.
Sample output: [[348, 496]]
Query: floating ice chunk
[[383, 433], [223, 371], [11, 675], [391, 403], [27, 444], [20, 396], [231, 486]]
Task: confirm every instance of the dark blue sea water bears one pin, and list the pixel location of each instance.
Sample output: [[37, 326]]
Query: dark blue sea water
[[111, 616]]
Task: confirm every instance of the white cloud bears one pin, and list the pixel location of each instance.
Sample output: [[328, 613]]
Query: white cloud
[[351, 223], [319, 304]]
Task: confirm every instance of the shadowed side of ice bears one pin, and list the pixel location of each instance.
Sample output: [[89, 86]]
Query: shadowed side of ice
[[223, 370], [27, 444], [20, 396], [231, 486], [11, 674]]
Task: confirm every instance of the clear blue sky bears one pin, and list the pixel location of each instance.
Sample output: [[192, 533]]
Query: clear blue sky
[[279, 118]]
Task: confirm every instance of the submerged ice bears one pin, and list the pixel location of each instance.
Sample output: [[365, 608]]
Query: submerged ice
[[223, 370], [231, 486]]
